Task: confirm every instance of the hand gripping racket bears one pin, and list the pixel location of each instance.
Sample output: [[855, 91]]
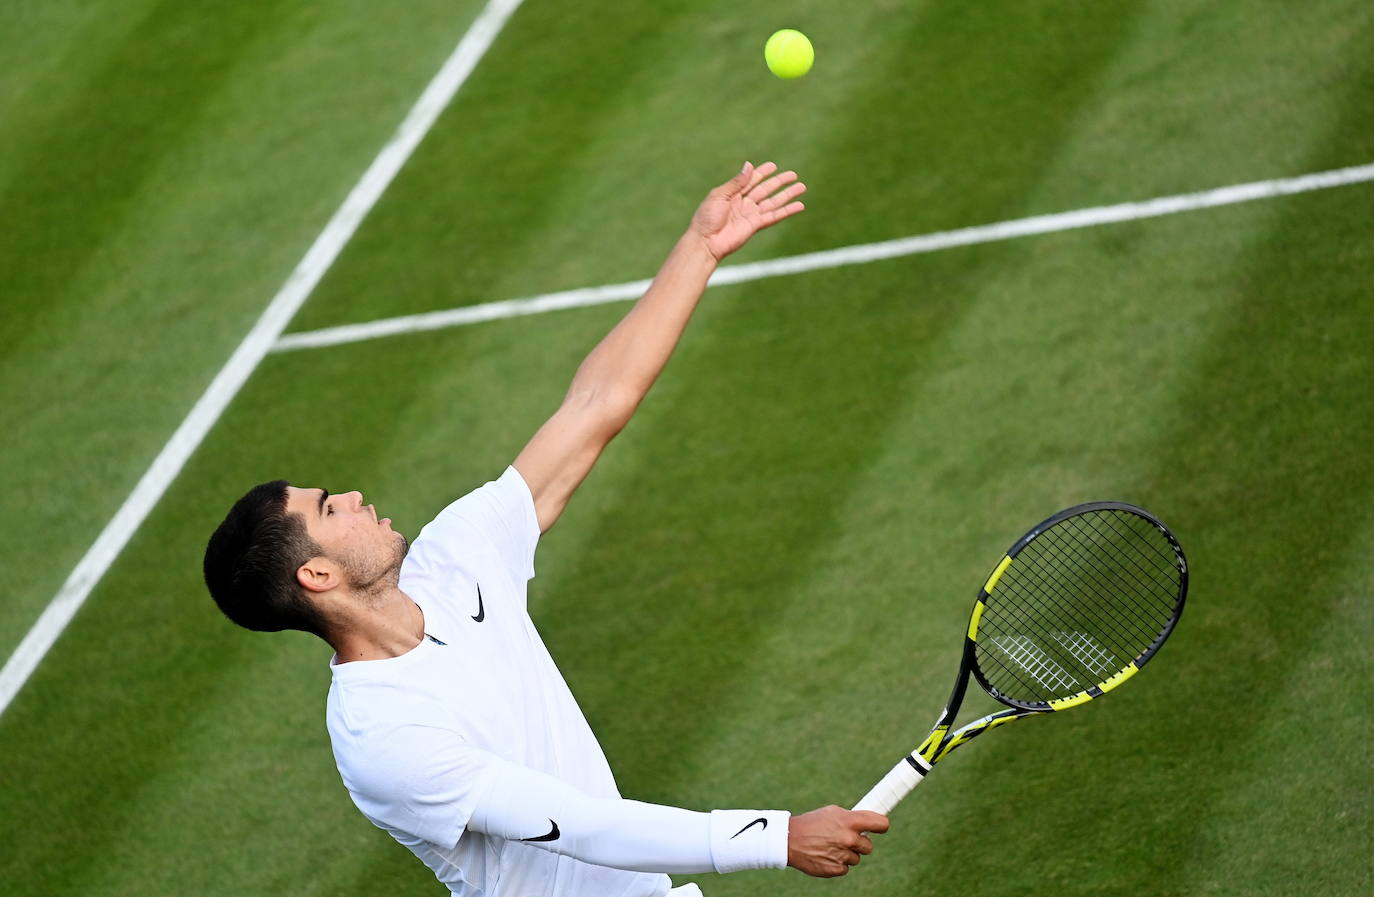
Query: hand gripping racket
[[1077, 607]]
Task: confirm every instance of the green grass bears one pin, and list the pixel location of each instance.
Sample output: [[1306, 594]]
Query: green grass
[[758, 595], [164, 178]]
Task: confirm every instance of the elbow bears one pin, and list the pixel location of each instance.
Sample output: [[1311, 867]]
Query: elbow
[[607, 409]]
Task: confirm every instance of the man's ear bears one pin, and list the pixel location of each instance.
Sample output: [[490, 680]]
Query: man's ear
[[319, 575]]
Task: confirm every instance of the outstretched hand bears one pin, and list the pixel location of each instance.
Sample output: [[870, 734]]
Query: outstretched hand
[[826, 842], [750, 201]]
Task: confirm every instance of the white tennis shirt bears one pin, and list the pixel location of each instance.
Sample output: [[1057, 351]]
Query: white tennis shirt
[[414, 735], [470, 750]]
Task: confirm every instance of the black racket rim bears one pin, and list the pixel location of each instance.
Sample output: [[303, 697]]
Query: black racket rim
[[970, 659]]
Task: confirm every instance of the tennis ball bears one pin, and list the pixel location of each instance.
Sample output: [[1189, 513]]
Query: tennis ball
[[788, 54]]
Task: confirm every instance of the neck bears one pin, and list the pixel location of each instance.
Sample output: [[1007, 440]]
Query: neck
[[387, 626]]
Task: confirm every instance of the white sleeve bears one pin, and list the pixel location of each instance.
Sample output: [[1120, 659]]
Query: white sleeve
[[429, 782], [421, 779], [498, 517], [524, 805]]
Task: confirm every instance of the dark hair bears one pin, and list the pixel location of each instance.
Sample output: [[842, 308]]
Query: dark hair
[[251, 563]]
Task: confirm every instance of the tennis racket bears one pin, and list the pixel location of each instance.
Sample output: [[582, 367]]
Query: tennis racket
[[1076, 607]]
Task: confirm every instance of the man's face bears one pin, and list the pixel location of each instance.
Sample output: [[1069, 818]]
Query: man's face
[[367, 549]]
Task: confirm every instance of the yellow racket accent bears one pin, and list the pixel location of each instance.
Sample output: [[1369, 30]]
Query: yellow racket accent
[[1085, 696], [997, 574], [1131, 670], [973, 623], [932, 743], [972, 729], [1065, 703]]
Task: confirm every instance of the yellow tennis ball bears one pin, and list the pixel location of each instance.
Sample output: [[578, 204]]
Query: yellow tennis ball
[[788, 53]]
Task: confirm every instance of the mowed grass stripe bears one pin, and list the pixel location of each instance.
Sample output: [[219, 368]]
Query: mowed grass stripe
[[246, 171], [1211, 95], [49, 49], [1290, 800], [254, 346]]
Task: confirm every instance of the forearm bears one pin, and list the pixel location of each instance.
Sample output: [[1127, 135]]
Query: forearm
[[624, 365], [615, 377], [523, 805]]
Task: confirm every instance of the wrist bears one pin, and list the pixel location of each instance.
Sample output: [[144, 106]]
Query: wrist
[[696, 247], [749, 839]]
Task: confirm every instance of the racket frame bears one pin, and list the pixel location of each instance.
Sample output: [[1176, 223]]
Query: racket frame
[[912, 769]]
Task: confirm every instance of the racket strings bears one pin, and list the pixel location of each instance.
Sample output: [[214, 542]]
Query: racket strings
[[1018, 655], [1157, 592], [1020, 604], [1069, 561], [1120, 581], [1113, 625], [1071, 557], [1136, 544], [1055, 591], [1071, 553], [1080, 602]]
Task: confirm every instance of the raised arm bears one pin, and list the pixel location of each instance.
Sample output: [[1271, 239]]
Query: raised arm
[[615, 377]]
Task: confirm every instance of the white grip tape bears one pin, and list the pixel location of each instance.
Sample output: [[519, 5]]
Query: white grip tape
[[897, 784]]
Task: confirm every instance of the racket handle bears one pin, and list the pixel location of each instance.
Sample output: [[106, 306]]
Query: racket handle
[[897, 784]]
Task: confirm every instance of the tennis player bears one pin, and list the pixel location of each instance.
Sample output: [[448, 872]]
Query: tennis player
[[451, 726]]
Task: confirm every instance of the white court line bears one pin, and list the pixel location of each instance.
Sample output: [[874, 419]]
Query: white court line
[[255, 345], [835, 258]]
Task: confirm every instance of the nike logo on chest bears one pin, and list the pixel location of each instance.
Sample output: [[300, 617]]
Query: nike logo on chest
[[481, 611]]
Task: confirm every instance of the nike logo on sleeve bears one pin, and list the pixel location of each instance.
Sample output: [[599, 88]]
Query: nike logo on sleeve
[[760, 822], [481, 611], [551, 836]]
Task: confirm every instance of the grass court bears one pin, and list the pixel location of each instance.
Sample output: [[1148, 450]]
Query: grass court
[[758, 595]]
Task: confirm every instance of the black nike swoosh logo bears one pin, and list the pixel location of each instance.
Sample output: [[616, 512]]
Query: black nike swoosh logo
[[551, 836], [761, 822], [481, 612]]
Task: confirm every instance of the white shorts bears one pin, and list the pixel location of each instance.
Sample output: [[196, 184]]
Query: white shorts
[[688, 890]]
